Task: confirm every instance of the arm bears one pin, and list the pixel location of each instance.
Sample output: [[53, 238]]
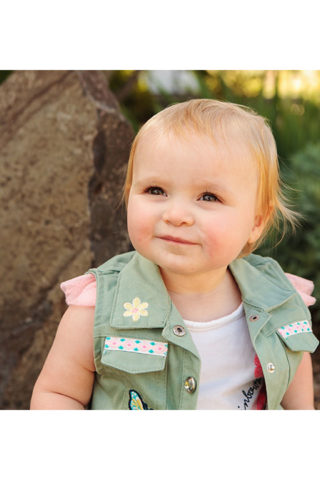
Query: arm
[[66, 379], [299, 395]]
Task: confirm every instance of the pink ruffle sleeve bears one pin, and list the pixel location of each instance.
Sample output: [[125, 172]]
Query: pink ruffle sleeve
[[304, 287], [81, 290]]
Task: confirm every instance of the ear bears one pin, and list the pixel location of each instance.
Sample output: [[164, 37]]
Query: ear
[[260, 222], [257, 229]]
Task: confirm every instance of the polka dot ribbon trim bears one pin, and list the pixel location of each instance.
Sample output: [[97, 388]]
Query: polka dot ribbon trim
[[294, 328], [136, 345]]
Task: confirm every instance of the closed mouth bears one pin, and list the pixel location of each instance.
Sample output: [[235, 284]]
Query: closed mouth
[[168, 238]]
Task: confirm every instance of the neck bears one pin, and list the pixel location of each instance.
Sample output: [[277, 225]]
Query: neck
[[186, 284], [199, 301]]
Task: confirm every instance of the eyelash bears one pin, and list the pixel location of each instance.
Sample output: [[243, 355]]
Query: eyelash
[[150, 189], [216, 199]]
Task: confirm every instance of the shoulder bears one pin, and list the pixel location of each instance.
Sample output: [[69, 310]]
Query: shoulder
[[271, 270], [82, 290], [268, 265], [279, 296]]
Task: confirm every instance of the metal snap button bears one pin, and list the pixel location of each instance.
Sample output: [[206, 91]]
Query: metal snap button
[[253, 318], [190, 384], [179, 330], [271, 368]]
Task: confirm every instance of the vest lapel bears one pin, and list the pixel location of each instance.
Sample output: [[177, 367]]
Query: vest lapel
[[142, 301]]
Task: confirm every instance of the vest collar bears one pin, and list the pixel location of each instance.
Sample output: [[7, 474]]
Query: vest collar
[[135, 303], [136, 306], [263, 285]]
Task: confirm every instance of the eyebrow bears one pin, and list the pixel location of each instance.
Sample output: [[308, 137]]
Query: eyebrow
[[149, 181], [210, 186]]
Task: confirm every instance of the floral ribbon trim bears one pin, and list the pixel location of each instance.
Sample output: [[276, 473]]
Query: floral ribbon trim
[[294, 328], [136, 345]]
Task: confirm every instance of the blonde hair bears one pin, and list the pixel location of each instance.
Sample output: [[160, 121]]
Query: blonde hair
[[225, 121]]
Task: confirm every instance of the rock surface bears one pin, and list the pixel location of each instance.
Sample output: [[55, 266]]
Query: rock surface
[[64, 146]]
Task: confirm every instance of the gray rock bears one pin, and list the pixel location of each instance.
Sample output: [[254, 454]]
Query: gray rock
[[64, 145]]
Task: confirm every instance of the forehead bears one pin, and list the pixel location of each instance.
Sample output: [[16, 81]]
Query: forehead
[[194, 152]]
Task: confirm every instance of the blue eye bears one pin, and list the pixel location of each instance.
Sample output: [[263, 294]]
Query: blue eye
[[209, 197], [155, 191]]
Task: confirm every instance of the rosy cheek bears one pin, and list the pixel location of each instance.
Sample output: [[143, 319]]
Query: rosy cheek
[[136, 230], [217, 237], [214, 233], [140, 224]]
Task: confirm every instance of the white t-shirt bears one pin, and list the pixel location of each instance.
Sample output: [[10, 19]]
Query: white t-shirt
[[231, 375]]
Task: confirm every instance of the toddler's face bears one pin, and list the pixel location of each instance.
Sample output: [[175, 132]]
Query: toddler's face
[[191, 207]]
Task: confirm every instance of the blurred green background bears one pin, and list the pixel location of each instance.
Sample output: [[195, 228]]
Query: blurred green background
[[289, 99]]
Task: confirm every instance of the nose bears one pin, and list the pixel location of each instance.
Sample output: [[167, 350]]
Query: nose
[[177, 213]]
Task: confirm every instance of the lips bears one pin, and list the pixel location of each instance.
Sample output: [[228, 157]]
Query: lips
[[169, 238]]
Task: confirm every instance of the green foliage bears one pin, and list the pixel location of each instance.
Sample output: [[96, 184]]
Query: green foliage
[[294, 120], [4, 74]]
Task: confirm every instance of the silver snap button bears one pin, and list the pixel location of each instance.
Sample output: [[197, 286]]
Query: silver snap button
[[271, 368], [179, 330], [253, 318], [190, 384]]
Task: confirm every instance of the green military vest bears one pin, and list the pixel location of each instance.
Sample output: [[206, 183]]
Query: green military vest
[[144, 355]]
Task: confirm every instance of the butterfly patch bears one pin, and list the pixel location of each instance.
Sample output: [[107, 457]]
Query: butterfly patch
[[136, 402]]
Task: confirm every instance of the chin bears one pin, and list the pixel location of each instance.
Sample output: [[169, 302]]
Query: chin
[[178, 268]]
